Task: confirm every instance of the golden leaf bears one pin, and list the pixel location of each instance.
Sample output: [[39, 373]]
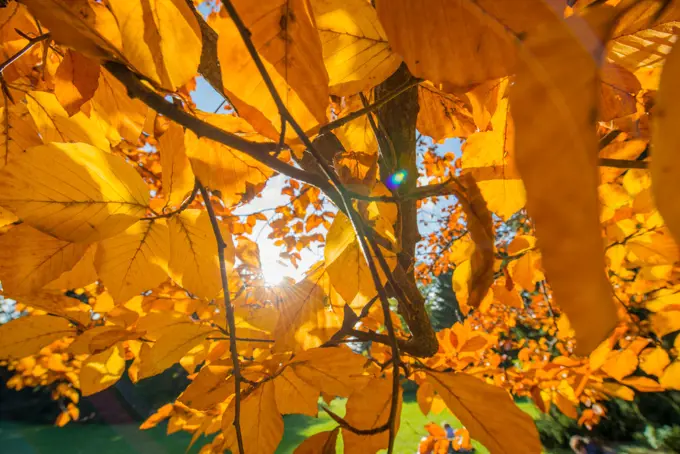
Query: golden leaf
[[356, 53], [474, 42], [320, 443], [369, 408], [223, 168], [620, 364], [102, 370], [84, 25], [175, 343], [345, 262], [356, 135], [26, 335], [194, 264], [284, 35], [58, 304], [490, 158], [135, 260], [93, 194], [162, 40], [501, 427], [55, 124], [442, 115], [264, 428], [666, 139], [209, 388], [294, 396], [177, 177], [29, 259], [18, 132], [76, 81], [82, 274], [554, 103], [671, 376], [654, 360], [334, 371]]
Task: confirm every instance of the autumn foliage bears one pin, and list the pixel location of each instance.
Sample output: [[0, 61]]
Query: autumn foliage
[[559, 214]]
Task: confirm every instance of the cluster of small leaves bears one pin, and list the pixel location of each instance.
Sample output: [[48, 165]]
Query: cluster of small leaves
[[120, 238]]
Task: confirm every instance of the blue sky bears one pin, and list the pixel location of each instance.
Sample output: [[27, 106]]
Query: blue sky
[[273, 268]]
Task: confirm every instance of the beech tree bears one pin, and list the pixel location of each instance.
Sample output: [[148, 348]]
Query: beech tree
[[560, 213]]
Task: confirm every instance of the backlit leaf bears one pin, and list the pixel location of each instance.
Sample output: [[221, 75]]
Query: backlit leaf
[[194, 263], [29, 259], [501, 427], [162, 40], [666, 139], [369, 408], [102, 370], [135, 260], [77, 79], [356, 53], [27, 335], [177, 342], [93, 196], [18, 131], [294, 396], [320, 443], [178, 179], [554, 103]]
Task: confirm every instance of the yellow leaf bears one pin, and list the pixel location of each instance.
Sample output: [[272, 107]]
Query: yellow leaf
[[81, 345], [620, 364], [177, 342], [424, 396], [29, 259], [76, 80], [26, 335], [552, 105], [209, 388], [442, 115], [345, 262], [15, 16], [643, 384], [671, 376], [501, 427], [112, 103], [474, 42], [223, 168], [194, 264], [320, 443], [248, 252], [305, 321], [369, 408], [18, 132], [490, 158], [82, 274], [284, 35], [294, 396], [135, 260], [331, 370], [654, 360], [93, 195], [357, 135], [665, 322], [617, 92], [162, 40], [55, 125], [177, 177], [666, 139], [84, 25], [356, 53], [102, 370], [615, 390], [58, 304], [261, 422]]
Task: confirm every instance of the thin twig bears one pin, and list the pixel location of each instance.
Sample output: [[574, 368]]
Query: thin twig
[[181, 208], [229, 310], [353, 216], [622, 163], [347, 426], [31, 42]]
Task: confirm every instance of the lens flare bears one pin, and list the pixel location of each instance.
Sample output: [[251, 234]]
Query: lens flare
[[396, 179]]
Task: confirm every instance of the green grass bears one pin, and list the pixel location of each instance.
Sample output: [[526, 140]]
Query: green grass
[[127, 439]]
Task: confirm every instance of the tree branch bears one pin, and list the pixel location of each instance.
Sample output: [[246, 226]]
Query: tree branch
[[258, 151], [181, 208], [229, 310], [31, 42], [347, 426], [622, 163]]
